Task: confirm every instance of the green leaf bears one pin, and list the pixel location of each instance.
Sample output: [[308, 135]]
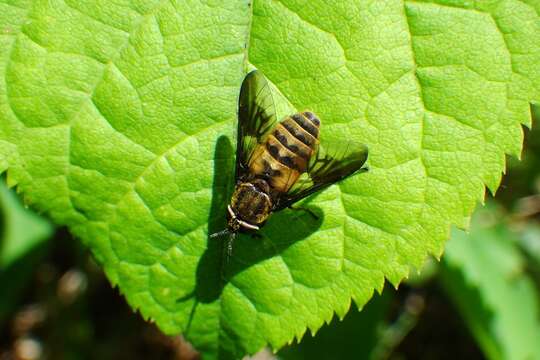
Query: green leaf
[[485, 275], [20, 229], [111, 114], [23, 238], [529, 241]]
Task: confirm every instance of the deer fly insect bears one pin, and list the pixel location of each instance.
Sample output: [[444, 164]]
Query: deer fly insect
[[273, 159]]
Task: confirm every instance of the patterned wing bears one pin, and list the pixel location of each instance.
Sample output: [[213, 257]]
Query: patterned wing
[[325, 169], [256, 118]]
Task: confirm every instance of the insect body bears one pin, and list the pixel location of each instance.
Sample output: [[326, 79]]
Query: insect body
[[285, 154], [279, 163], [273, 168]]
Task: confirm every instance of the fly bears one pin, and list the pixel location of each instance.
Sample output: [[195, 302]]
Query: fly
[[279, 163]]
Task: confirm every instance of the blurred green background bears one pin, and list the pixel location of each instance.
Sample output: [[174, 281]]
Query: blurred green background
[[481, 301]]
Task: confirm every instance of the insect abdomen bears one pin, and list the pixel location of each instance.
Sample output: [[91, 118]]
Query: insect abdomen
[[285, 154]]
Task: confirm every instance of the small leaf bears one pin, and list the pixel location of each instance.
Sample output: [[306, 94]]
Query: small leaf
[[484, 274], [21, 230], [23, 239], [111, 114]]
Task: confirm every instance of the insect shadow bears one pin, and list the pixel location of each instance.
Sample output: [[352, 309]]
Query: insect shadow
[[287, 227]]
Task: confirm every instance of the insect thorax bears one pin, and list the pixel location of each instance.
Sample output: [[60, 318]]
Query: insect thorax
[[286, 152], [251, 202]]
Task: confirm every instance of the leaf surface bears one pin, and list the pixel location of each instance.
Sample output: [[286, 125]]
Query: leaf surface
[[115, 119]]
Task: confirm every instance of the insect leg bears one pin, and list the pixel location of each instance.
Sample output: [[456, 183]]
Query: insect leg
[[220, 233], [230, 247], [227, 251]]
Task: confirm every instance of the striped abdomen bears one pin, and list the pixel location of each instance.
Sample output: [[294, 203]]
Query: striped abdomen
[[285, 154]]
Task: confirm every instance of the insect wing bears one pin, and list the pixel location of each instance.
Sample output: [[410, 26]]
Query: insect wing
[[326, 169], [256, 118]]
